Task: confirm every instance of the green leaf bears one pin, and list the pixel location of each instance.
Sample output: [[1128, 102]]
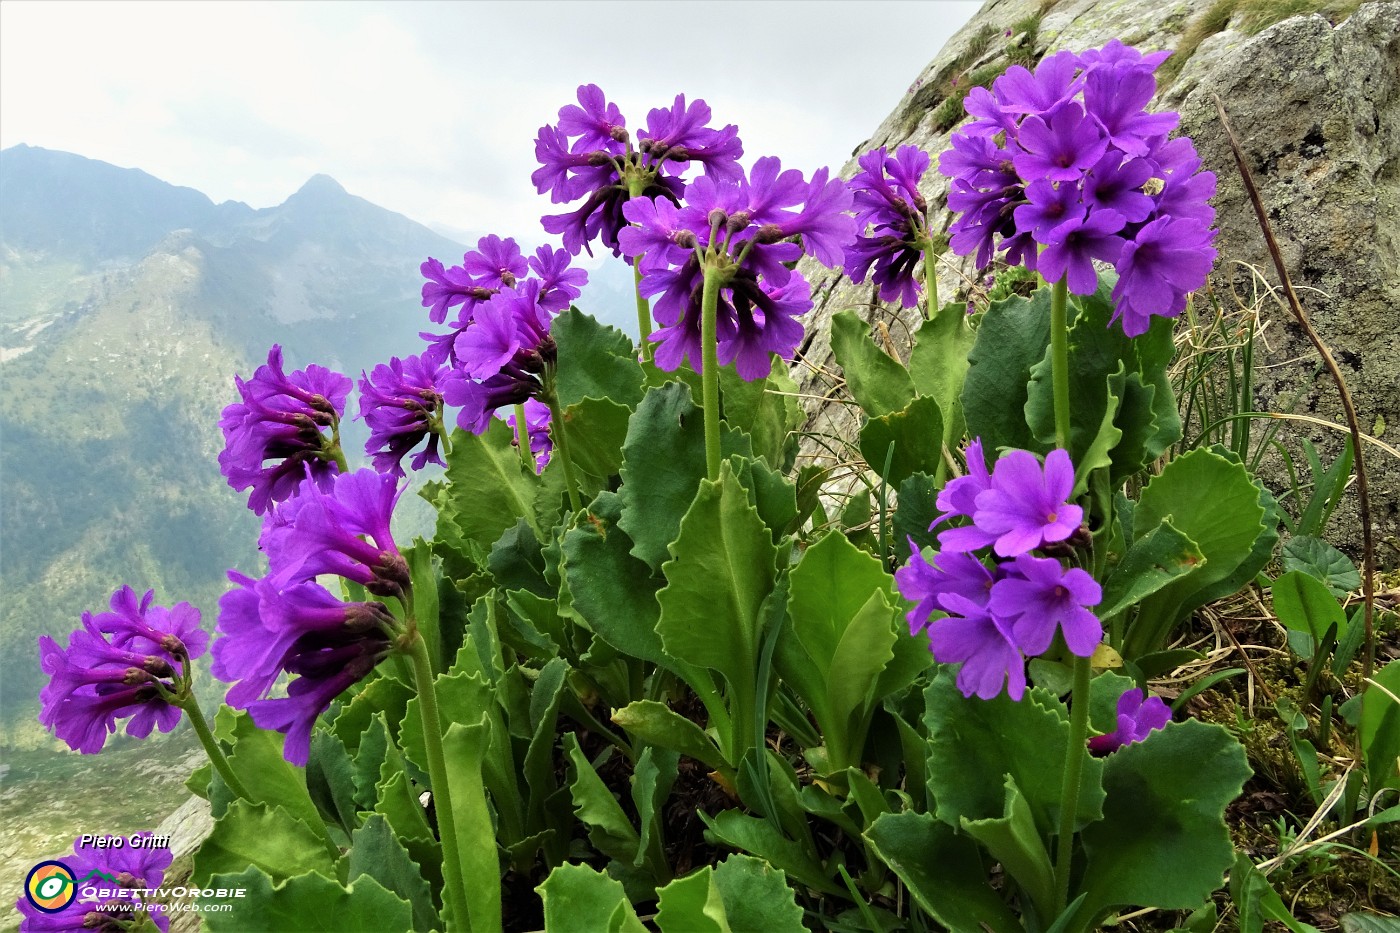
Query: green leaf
[[655, 773], [1013, 841], [915, 431], [383, 695], [663, 463], [879, 383], [597, 428], [330, 779], [974, 744], [757, 897], [938, 364], [723, 566], [377, 853], [766, 410], [1304, 604], [271, 779], [918, 509], [1257, 901], [943, 871], [1380, 728], [423, 573], [1367, 923], [464, 748], [595, 361], [1013, 335], [309, 903], [263, 835], [762, 838], [488, 491], [608, 827], [1163, 840], [578, 899], [657, 724], [692, 905], [1321, 560], [1225, 525], [613, 592], [1152, 562]]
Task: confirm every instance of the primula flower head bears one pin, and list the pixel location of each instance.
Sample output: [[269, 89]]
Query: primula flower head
[[135, 867], [1068, 159], [1138, 716], [281, 419], [886, 195], [95, 682], [401, 401]]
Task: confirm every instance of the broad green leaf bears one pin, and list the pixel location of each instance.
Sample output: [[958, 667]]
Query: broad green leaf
[[263, 835], [1367, 923], [1225, 525], [657, 724], [1380, 728], [1012, 337], [943, 871], [974, 744], [723, 567], [938, 364], [916, 432], [596, 807], [257, 760], [516, 562], [578, 899], [772, 493], [918, 509], [762, 838], [655, 773], [757, 897], [1304, 604], [1163, 839], [596, 429], [460, 698], [692, 905], [330, 779], [595, 361], [877, 381], [1013, 841], [377, 853], [464, 748], [308, 903], [488, 489], [1153, 561], [423, 572], [766, 410], [383, 695], [1323, 561]]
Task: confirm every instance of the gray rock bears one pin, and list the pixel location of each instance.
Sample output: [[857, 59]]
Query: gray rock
[[1317, 109]]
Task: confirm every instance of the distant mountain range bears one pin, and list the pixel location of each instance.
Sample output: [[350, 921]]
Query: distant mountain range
[[126, 306]]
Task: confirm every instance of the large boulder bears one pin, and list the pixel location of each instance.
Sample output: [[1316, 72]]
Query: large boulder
[[1316, 106]]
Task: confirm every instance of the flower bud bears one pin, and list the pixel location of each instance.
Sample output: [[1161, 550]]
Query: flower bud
[[619, 134], [685, 239], [716, 218], [738, 221]]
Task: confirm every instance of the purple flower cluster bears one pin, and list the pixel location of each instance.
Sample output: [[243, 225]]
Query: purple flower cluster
[[742, 230], [589, 154], [135, 868], [996, 612], [402, 403], [1069, 160], [285, 621], [129, 662], [886, 195], [1138, 716], [282, 418], [495, 264]]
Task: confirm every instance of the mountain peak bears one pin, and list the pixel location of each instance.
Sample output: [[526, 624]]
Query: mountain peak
[[320, 184]]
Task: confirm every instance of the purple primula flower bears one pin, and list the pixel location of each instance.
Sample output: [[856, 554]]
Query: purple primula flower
[[560, 283], [94, 682], [1027, 505], [401, 401], [925, 583], [281, 418], [501, 358], [496, 263], [886, 195], [959, 496], [300, 629], [983, 644], [325, 531], [740, 230], [1165, 260], [1048, 153], [1137, 718], [1038, 595], [536, 431], [590, 155], [136, 867]]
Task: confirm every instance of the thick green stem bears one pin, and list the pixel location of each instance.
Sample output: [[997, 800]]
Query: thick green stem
[[561, 446], [1074, 772], [522, 439], [643, 311], [709, 345], [454, 888], [211, 748], [930, 279], [1059, 360]]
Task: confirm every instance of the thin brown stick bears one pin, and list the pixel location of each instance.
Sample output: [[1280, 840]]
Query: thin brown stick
[[1368, 555]]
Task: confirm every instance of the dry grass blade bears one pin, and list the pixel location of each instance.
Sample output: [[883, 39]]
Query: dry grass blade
[[1368, 557]]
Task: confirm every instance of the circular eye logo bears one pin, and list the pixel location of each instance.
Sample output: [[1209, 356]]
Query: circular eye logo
[[50, 887]]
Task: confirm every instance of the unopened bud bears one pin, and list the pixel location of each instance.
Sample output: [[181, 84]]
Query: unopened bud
[[716, 218], [738, 221], [158, 666], [508, 279], [134, 676], [601, 157], [619, 134], [769, 233], [172, 644], [678, 154], [685, 239], [391, 577]]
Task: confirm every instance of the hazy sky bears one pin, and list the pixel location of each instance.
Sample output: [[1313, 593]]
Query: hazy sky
[[431, 108]]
